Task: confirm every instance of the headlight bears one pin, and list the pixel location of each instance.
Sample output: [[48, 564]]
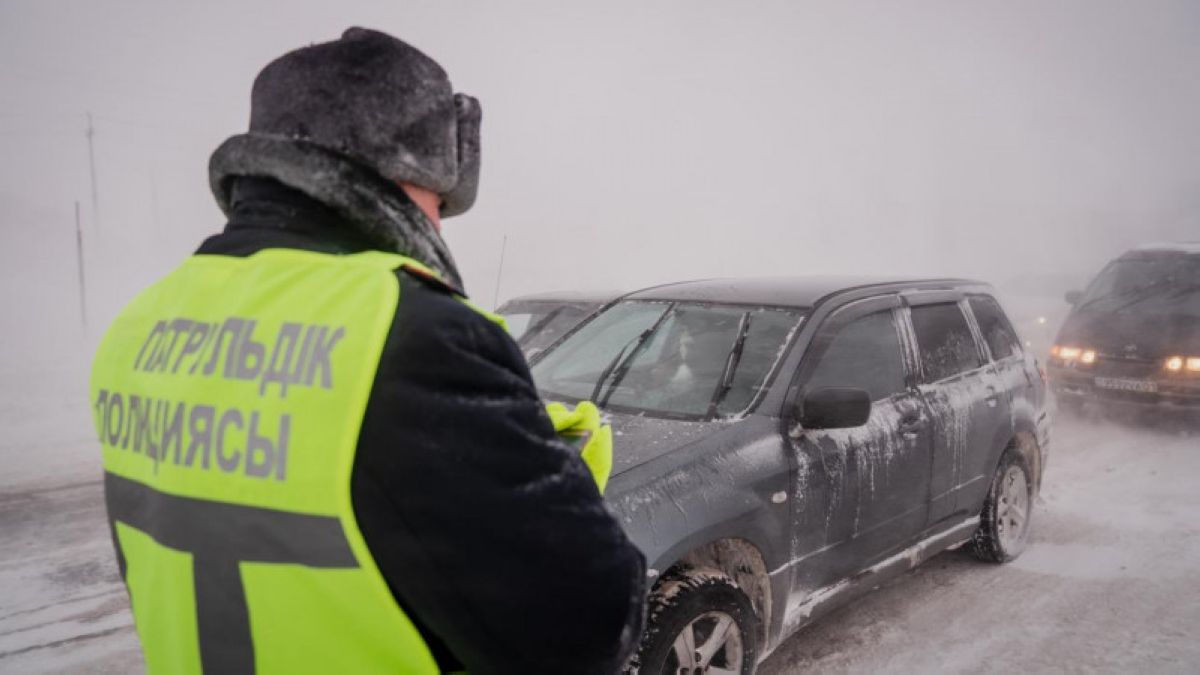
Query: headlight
[[1084, 356], [1177, 364], [1069, 353]]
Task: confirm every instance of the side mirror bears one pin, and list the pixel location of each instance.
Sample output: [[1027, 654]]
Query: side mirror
[[1073, 297], [835, 408]]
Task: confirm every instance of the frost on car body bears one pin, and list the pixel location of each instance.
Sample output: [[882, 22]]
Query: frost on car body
[[720, 469]]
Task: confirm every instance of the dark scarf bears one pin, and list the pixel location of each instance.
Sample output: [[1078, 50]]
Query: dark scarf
[[377, 209]]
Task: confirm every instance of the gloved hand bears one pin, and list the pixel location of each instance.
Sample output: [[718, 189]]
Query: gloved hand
[[581, 428]]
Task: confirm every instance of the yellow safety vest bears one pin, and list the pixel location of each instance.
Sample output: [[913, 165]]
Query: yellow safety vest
[[228, 398]]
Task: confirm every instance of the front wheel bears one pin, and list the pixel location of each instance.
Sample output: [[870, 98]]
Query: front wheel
[[1004, 523], [699, 622]]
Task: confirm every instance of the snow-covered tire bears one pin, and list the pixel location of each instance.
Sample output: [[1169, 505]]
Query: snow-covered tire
[[703, 603], [1004, 523]]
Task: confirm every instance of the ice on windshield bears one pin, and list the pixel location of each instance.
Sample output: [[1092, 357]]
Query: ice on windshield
[[676, 359]]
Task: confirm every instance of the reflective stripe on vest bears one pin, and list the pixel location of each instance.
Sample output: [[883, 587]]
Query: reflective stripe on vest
[[228, 399]]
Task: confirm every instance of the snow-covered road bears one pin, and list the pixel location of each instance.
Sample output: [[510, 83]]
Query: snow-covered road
[[62, 605], [1110, 583]]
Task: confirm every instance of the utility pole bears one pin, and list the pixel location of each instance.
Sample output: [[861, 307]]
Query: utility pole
[[499, 272], [79, 259], [90, 133]]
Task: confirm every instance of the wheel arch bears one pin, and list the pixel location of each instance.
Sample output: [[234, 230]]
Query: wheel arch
[[740, 560], [1024, 443]]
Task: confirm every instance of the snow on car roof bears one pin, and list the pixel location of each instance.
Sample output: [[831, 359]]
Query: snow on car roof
[[782, 291]]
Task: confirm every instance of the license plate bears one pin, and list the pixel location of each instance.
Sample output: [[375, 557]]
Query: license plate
[[1144, 386]]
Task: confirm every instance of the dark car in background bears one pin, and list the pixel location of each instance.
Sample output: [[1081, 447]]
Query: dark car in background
[[536, 321], [782, 446], [1034, 303], [1132, 339]]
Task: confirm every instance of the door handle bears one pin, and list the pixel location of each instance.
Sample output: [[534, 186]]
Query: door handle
[[910, 424], [993, 398]]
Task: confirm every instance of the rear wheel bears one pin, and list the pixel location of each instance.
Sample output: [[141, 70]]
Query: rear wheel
[[699, 622], [1004, 524]]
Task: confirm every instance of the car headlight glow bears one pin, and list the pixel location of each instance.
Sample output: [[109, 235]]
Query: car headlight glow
[[1069, 353], [1176, 364], [1081, 354]]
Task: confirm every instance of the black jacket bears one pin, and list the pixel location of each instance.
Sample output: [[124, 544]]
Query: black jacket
[[489, 531]]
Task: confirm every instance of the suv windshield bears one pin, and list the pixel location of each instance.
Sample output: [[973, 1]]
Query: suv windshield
[[534, 325], [673, 359], [1146, 286]]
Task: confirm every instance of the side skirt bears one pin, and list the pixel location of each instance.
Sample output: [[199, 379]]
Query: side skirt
[[803, 607]]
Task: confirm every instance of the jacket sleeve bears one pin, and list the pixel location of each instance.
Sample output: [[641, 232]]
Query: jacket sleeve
[[490, 532]]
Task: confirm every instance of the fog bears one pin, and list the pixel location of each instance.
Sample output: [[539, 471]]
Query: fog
[[626, 145]]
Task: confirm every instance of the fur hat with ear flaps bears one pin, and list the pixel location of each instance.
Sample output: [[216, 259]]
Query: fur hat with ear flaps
[[344, 122]]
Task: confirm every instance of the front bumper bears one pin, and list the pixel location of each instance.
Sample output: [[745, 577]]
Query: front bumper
[[1124, 387]]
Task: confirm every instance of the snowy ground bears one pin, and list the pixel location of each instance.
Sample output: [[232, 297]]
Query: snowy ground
[[1111, 582]]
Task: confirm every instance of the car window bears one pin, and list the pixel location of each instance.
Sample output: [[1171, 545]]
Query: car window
[[572, 370], [676, 359], [944, 340], [996, 329], [766, 338], [1146, 286], [864, 354], [679, 368], [517, 323], [547, 328]]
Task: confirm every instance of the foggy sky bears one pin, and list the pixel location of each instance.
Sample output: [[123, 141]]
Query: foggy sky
[[626, 145]]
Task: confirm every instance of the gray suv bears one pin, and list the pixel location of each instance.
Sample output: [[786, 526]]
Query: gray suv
[[782, 445]]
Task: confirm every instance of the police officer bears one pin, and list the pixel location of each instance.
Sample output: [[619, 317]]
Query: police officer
[[319, 457]]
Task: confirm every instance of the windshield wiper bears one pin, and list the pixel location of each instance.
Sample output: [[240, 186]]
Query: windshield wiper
[[1132, 296], [618, 367], [1145, 293], [610, 367], [731, 364]]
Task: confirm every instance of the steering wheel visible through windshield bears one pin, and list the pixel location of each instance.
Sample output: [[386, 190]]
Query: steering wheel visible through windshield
[[673, 359]]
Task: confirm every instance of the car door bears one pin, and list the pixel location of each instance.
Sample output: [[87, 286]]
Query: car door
[[1015, 375], [963, 397], [866, 489]]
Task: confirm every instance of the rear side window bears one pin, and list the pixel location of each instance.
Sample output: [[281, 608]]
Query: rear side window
[[864, 354], [996, 329], [945, 341]]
